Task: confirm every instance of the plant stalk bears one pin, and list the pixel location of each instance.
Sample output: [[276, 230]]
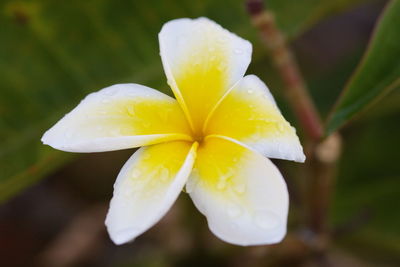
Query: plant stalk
[[296, 92], [322, 155]]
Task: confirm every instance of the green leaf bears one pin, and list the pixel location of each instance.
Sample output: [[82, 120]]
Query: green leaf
[[368, 187], [377, 73], [53, 53]]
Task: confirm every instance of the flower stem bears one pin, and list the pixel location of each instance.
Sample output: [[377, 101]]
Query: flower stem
[[299, 99], [322, 154]]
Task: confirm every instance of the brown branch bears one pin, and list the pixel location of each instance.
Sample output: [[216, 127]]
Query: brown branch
[[322, 155], [323, 172], [296, 91]]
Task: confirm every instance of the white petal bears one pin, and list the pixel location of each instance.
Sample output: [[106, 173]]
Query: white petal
[[117, 117], [242, 194], [250, 115], [146, 188], [202, 62]]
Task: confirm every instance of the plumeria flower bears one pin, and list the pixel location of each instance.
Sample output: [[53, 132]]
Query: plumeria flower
[[214, 139]]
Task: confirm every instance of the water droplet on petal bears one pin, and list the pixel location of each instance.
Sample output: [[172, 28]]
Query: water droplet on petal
[[154, 182], [131, 110], [240, 188], [266, 219], [68, 134], [145, 156], [136, 174], [222, 39], [238, 51], [221, 67], [156, 196], [164, 174], [250, 91], [111, 91], [280, 127], [182, 40], [234, 211], [127, 192], [164, 115], [221, 185]]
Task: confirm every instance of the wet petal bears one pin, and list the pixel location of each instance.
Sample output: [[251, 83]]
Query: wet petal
[[117, 117], [146, 188], [250, 115], [242, 194], [202, 62]]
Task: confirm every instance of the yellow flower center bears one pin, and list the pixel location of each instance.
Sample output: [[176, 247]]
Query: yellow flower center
[[198, 137]]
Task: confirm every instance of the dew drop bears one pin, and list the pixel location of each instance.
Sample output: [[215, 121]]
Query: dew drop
[[136, 174], [182, 40], [234, 226], [145, 156], [250, 91], [266, 219], [127, 193], [111, 92], [116, 131], [222, 39], [240, 188], [196, 62], [156, 196], [280, 127], [164, 115], [68, 134], [135, 186], [238, 51], [234, 211], [131, 110], [221, 67], [164, 174], [153, 182], [221, 185]]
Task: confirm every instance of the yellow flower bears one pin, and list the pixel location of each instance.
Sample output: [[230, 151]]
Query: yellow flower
[[211, 139]]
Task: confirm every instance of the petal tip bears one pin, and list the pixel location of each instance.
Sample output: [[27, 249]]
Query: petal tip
[[301, 158], [122, 237], [46, 138]]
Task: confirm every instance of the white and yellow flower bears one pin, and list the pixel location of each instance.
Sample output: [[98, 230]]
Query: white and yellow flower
[[213, 139]]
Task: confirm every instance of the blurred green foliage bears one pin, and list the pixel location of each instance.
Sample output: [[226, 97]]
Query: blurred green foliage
[[378, 72]]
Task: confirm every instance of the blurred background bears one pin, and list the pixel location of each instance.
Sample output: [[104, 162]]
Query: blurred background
[[53, 204]]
